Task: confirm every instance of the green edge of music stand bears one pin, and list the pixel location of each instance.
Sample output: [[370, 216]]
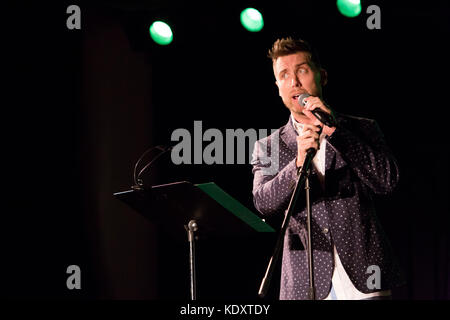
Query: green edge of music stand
[[235, 207]]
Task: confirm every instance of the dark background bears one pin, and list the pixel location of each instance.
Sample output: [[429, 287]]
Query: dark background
[[81, 106]]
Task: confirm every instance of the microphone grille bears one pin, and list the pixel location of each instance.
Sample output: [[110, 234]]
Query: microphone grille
[[302, 97]]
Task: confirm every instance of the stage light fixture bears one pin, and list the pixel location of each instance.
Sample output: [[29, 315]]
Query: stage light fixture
[[252, 20], [349, 8], [161, 33]]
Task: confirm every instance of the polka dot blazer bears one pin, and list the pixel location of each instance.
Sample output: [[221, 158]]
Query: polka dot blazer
[[358, 164]]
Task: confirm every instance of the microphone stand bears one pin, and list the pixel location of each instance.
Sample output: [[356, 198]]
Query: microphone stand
[[303, 173], [191, 228]]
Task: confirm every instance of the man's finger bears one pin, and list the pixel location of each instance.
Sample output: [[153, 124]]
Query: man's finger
[[309, 134], [312, 127]]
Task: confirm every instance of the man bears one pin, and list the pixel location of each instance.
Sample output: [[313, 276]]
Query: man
[[352, 257]]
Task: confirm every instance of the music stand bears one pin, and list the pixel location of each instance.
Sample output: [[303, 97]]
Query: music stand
[[203, 209]]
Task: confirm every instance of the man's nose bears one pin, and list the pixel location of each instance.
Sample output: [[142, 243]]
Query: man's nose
[[295, 82]]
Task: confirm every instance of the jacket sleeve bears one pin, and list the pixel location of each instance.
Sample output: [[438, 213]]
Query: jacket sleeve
[[272, 186], [363, 147]]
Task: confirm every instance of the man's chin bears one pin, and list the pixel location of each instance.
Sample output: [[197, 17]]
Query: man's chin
[[296, 109]]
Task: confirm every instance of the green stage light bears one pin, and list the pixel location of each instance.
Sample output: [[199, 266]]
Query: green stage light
[[161, 33], [252, 20], [349, 8]]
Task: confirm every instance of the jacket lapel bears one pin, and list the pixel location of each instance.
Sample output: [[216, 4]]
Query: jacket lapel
[[289, 137], [333, 159], [330, 157]]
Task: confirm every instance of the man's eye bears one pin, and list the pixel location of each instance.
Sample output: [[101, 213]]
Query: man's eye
[[301, 70], [284, 76]]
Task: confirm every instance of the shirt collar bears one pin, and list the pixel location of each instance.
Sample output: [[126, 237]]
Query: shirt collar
[[297, 125], [298, 128]]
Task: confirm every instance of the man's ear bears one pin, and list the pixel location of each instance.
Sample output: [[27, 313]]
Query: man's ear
[[278, 86], [323, 77]]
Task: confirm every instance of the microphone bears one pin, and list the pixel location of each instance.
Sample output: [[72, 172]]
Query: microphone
[[323, 117]]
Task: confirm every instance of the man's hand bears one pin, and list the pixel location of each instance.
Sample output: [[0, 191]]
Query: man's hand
[[308, 138], [313, 103]]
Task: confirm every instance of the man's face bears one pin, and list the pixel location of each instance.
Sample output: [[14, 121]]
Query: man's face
[[295, 74]]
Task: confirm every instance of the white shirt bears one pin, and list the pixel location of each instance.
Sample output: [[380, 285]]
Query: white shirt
[[342, 285]]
